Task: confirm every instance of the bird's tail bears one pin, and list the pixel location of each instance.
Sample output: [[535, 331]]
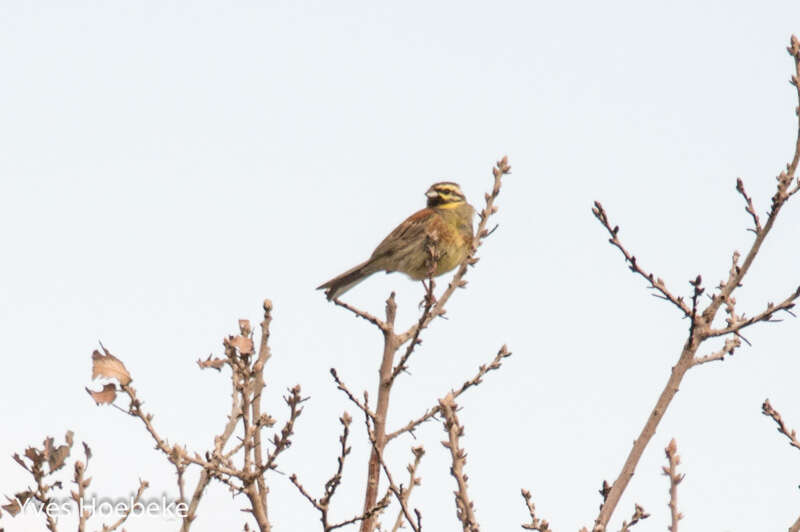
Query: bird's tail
[[344, 282]]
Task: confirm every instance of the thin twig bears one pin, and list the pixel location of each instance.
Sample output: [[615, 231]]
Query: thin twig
[[142, 486], [768, 410], [343, 387], [731, 344], [428, 303], [465, 508], [412, 481], [538, 524], [638, 515], [361, 314], [765, 315], [675, 478], [323, 504], [749, 206], [633, 264], [283, 441], [429, 414], [397, 492], [82, 483], [264, 354]]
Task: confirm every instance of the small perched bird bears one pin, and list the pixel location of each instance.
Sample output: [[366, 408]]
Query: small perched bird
[[440, 235]]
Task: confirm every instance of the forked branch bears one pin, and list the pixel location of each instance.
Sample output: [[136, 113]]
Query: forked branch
[[700, 328]]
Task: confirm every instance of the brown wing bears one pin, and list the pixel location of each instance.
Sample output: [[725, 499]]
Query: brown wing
[[411, 231]]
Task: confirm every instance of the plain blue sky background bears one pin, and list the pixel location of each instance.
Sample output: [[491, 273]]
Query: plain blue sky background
[[165, 166]]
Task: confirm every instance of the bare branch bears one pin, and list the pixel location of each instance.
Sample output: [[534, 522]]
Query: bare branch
[[336, 479], [343, 387], [397, 492], [264, 354], [675, 478], [362, 314], [768, 410], [465, 509], [378, 433], [324, 509], [655, 282], [427, 302], [283, 441], [142, 486], [540, 525], [700, 330], [782, 194], [82, 483], [638, 515], [735, 325], [412, 481], [749, 206], [731, 344], [483, 369], [323, 504]]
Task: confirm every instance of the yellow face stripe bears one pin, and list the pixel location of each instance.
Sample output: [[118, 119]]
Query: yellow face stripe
[[448, 195], [451, 205], [449, 200]]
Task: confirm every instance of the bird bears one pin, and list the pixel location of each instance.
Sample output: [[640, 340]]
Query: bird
[[429, 243]]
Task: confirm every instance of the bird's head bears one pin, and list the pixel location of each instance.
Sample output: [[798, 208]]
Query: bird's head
[[445, 194]]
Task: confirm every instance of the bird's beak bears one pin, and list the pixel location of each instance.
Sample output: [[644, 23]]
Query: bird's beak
[[430, 194]]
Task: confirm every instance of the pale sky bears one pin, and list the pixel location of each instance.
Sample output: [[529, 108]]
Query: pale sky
[[164, 167]]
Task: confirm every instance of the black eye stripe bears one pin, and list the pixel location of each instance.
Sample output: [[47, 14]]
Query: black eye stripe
[[449, 196], [448, 191]]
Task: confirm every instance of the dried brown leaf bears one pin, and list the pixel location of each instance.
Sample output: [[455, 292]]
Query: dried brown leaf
[[57, 456], [110, 367], [13, 507], [18, 459], [33, 454], [214, 363], [243, 344], [104, 396]]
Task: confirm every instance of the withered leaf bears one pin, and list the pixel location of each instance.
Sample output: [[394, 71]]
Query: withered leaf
[[56, 456], [13, 507], [33, 454], [18, 459], [110, 367], [104, 396], [243, 344], [215, 363]]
